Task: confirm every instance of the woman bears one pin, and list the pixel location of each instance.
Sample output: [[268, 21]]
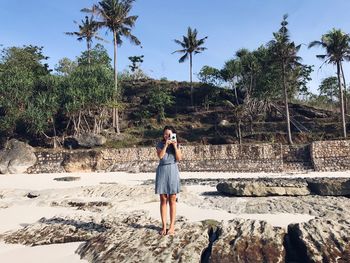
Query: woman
[[167, 177]]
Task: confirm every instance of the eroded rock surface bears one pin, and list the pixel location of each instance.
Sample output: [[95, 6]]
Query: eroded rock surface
[[321, 240], [264, 187], [248, 241], [17, 157], [55, 230]]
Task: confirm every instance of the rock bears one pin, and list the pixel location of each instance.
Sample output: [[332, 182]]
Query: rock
[[243, 240], [322, 240], [330, 186], [17, 157], [134, 169], [224, 123], [264, 187], [71, 143], [136, 239], [90, 140], [55, 230], [67, 178], [33, 194], [80, 161]]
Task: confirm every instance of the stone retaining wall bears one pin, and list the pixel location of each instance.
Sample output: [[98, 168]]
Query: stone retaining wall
[[264, 157], [331, 155]]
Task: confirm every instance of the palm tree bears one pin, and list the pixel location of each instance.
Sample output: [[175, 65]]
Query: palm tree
[[336, 44], [190, 46], [285, 54], [88, 29], [114, 15]]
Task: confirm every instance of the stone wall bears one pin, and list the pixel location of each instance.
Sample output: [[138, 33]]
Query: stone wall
[[331, 155], [230, 157], [264, 157]]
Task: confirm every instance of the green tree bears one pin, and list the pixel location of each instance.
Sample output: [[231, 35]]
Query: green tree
[[336, 45], [65, 66], [160, 98], [190, 46], [87, 97], [98, 56], [88, 30], [328, 88], [135, 62], [230, 73], [29, 95], [114, 15], [210, 75], [285, 54]]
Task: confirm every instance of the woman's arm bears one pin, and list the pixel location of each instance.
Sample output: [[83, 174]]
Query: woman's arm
[[161, 152]]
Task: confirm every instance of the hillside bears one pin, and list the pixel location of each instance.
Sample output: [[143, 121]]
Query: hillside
[[215, 124]]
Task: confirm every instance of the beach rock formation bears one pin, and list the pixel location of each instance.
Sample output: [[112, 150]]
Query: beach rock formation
[[17, 157], [322, 240], [80, 161], [243, 240], [330, 186], [136, 239], [55, 230], [264, 187]]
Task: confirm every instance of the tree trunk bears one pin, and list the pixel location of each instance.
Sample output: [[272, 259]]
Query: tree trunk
[[235, 89], [191, 79], [345, 97], [88, 50], [115, 109], [290, 141], [341, 99], [239, 132]]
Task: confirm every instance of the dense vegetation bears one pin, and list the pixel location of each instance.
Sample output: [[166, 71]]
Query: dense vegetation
[[256, 96]]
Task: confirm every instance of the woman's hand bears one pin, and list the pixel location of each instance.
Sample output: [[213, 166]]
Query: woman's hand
[[174, 143], [168, 142]]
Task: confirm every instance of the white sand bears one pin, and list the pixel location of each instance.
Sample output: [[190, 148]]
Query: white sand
[[56, 253], [45, 181]]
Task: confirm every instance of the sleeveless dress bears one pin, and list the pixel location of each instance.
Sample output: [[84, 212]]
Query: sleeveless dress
[[167, 173]]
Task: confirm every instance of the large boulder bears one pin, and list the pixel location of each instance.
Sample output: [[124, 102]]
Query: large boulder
[[90, 140], [321, 240], [243, 240], [264, 187], [80, 161], [17, 157], [330, 186]]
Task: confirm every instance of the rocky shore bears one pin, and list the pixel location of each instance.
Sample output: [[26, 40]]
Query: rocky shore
[[114, 217]]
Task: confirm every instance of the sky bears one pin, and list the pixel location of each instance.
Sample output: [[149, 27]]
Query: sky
[[229, 25]]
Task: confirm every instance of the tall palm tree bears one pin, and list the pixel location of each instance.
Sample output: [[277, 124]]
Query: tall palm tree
[[190, 46], [336, 44], [285, 54], [88, 29], [114, 15]]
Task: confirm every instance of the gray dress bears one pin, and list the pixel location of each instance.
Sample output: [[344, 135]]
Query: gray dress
[[167, 173]]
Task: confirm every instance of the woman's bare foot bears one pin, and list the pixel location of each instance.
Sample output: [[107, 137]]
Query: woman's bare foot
[[163, 232], [171, 231]]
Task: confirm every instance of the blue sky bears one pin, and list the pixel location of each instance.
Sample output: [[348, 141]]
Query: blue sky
[[229, 25]]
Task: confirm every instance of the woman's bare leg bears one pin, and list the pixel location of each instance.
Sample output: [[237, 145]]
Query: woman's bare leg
[[172, 204], [163, 204]]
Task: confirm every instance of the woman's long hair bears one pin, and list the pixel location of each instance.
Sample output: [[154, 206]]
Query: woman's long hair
[[169, 127]]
